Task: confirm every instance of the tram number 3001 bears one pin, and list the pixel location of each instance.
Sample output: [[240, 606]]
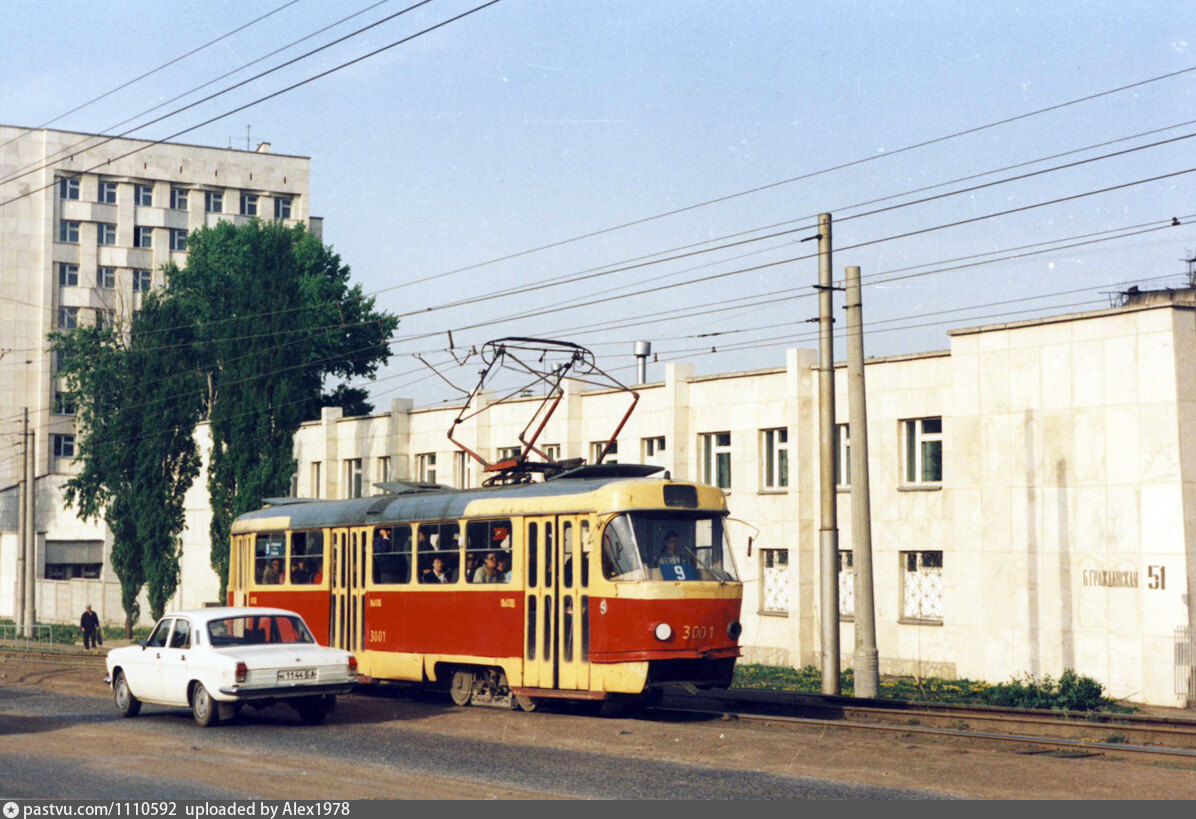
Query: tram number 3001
[[377, 636], [696, 632]]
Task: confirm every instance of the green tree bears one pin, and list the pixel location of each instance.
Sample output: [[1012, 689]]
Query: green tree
[[275, 319], [137, 403]]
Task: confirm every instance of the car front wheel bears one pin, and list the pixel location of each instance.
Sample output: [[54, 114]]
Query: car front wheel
[[126, 704], [203, 708]]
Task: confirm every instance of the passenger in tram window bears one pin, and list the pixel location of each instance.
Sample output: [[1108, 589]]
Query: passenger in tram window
[[438, 573], [274, 572], [674, 563], [299, 572], [381, 541], [504, 568], [488, 571], [471, 565]]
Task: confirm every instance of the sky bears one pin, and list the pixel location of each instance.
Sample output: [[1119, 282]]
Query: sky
[[444, 165]]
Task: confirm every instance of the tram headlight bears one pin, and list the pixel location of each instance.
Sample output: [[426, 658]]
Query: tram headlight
[[663, 632], [734, 629]]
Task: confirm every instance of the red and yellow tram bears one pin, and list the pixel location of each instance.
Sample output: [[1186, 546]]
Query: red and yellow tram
[[600, 581]]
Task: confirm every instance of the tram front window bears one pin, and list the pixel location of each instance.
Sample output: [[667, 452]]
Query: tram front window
[[666, 546]]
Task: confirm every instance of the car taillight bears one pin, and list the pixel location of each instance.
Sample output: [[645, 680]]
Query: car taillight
[[242, 672], [352, 665]]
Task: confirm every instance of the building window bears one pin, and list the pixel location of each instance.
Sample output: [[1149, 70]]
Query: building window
[[142, 279], [842, 456], [384, 469], [716, 459], [105, 234], [460, 470], [69, 571], [178, 198], [105, 278], [846, 583], [68, 274], [922, 586], [64, 403], [60, 361], [136, 317], [213, 201], [775, 457], [107, 193], [774, 576], [104, 318], [552, 452], [68, 188], [178, 239], [68, 318], [611, 454], [425, 467], [249, 204], [143, 237], [508, 453], [68, 231], [315, 479], [282, 207], [64, 446], [923, 450], [652, 450], [353, 478], [143, 195]]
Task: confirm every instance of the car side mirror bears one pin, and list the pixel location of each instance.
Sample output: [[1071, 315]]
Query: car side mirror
[[142, 644]]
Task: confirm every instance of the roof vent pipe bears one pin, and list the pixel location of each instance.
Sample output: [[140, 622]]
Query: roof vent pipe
[[643, 349]]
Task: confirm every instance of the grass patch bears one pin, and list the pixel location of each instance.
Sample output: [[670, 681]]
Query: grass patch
[[1071, 691]]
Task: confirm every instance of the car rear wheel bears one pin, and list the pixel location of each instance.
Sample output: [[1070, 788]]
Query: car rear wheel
[[126, 704], [314, 710], [203, 708]]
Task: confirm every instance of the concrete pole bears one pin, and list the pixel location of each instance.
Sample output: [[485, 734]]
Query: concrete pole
[[866, 661], [828, 533], [31, 532], [18, 599]]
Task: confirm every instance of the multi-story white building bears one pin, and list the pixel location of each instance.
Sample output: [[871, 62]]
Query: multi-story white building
[[86, 224]]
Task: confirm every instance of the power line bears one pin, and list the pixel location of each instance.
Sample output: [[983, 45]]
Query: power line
[[152, 71], [78, 146], [287, 89], [810, 175]]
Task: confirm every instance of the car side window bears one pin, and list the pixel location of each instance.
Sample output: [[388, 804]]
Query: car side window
[[158, 638], [181, 638]]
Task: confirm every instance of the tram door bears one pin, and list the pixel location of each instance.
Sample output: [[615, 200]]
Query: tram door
[[556, 632], [347, 599]]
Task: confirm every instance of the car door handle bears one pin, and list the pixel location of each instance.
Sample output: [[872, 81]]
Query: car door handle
[[183, 658], [158, 656]]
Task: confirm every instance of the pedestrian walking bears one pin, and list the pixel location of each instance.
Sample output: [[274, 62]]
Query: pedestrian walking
[[90, 623]]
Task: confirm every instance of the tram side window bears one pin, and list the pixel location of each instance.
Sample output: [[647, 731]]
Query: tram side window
[[488, 551], [392, 554], [269, 551], [620, 557], [307, 558], [439, 540]]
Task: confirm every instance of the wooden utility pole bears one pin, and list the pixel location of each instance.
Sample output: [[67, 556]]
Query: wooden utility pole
[[828, 532], [866, 660]]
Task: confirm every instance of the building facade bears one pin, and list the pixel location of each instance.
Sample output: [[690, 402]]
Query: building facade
[[86, 224]]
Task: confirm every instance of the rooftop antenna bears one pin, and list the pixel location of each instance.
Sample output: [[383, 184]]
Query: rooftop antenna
[[1191, 263]]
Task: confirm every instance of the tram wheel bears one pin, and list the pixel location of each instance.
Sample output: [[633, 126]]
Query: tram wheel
[[461, 688], [527, 703]]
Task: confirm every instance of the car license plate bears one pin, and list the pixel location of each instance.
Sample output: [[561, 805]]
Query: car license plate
[[297, 674]]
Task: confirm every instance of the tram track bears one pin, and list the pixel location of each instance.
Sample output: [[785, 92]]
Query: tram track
[[1031, 731], [1062, 733]]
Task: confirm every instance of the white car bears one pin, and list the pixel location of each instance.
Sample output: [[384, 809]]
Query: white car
[[217, 660]]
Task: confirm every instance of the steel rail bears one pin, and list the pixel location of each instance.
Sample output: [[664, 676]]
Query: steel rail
[[1054, 742]]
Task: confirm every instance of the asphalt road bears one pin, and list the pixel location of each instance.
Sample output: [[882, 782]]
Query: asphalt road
[[362, 731]]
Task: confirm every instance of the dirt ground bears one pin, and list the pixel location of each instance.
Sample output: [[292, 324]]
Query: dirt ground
[[892, 760]]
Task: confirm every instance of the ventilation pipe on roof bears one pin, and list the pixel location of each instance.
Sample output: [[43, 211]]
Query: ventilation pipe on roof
[[643, 349]]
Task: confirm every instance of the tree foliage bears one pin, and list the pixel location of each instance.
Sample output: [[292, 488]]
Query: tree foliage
[[138, 398], [275, 318]]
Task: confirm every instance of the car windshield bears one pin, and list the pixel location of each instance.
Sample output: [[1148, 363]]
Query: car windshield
[[258, 629], [666, 546]]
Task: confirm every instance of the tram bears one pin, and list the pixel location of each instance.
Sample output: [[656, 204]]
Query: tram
[[602, 581]]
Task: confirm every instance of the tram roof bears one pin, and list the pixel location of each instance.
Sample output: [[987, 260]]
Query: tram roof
[[428, 504]]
